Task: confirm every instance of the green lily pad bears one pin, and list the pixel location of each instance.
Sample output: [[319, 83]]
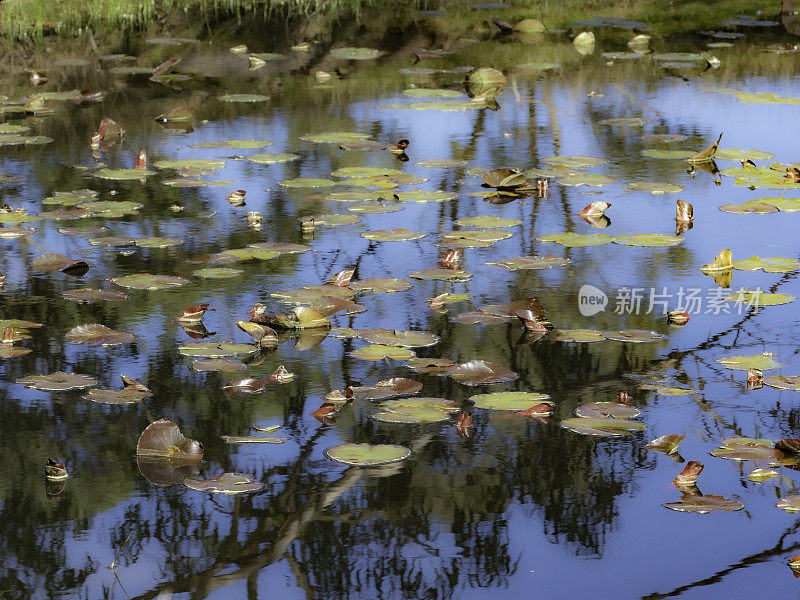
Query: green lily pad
[[226, 483], [238, 144], [158, 242], [759, 298], [146, 281], [573, 240], [478, 235], [444, 105], [243, 98], [704, 504], [662, 138], [479, 318], [384, 285], [607, 410], [353, 172], [456, 275], [270, 159], [392, 235], [349, 53], [403, 339], [250, 253], [654, 187], [367, 455], [763, 362], [488, 222], [412, 415], [774, 264], [667, 154], [531, 262], [575, 162], [761, 475], [26, 140], [590, 179], [442, 163], [70, 198], [431, 93], [648, 239], [215, 349], [331, 220], [377, 352], [185, 182], [374, 208], [123, 174], [307, 182], [217, 273], [58, 382], [580, 336], [678, 56], [602, 427], [539, 66], [196, 163], [12, 129], [334, 137], [509, 400], [18, 217], [737, 154], [280, 247], [218, 364], [422, 196]]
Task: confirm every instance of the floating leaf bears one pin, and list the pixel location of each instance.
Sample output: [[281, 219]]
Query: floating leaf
[[602, 427], [251, 439], [478, 318], [334, 137], [655, 187], [747, 449], [488, 222], [607, 410], [131, 393], [579, 335], [349, 53], [392, 235], [98, 335], [367, 455], [703, 504], [280, 247], [790, 504], [667, 154], [123, 174], [783, 383], [735, 154], [196, 163], [638, 336], [761, 475], [58, 382], [668, 444], [573, 240], [376, 352], [146, 281], [248, 98], [480, 372], [215, 349], [456, 275], [422, 196], [269, 159], [226, 483], [238, 144], [531, 262], [774, 264], [217, 273], [158, 242], [575, 162], [403, 339], [707, 154], [218, 364], [374, 208], [763, 362], [648, 239], [48, 263], [509, 400], [758, 298]]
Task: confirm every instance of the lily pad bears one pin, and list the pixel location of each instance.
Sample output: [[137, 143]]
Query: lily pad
[[602, 427], [488, 222], [579, 335], [226, 483], [783, 383], [123, 174], [367, 455], [480, 372], [790, 504], [509, 400], [703, 504], [269, 159], [218, 364], [217, 273], [52, 261], [403, 339], [758, 298], [573, 240], [392, 235], [422, 196], [774, 264], [349, 53], [307, 182], [215, 349], [654, 187], [648, 239], [575, 162], [763, 362], [387, 286], [531, 262], [252, 439], [334, 137], [58, 382], [667, 154], [330, 220], [353, 172], [737, 154], [478, 318], [668, 444], [146, 281], [747, 449], [374, 208], [377, 352], [633, 335], [248, 98], [87, 295], [96, 334], [196, 163], [590, 179], [607, 410], [456, 275], [158, 242], [238, 144], [280, 247], [131, 393]]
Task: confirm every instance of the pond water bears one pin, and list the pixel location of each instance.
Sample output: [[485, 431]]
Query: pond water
[[509, 507]]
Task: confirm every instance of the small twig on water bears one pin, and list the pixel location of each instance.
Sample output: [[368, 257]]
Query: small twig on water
[[114, 562]]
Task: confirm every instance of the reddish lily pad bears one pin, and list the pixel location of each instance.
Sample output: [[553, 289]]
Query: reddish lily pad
[[96, 334]]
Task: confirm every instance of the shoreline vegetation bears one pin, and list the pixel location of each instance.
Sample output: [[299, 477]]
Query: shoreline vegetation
[[33, 20]]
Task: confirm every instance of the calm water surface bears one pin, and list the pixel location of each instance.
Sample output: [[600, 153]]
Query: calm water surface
[[520, 509]]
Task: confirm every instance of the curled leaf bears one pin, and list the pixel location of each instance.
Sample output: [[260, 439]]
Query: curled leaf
[[163, 439]]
